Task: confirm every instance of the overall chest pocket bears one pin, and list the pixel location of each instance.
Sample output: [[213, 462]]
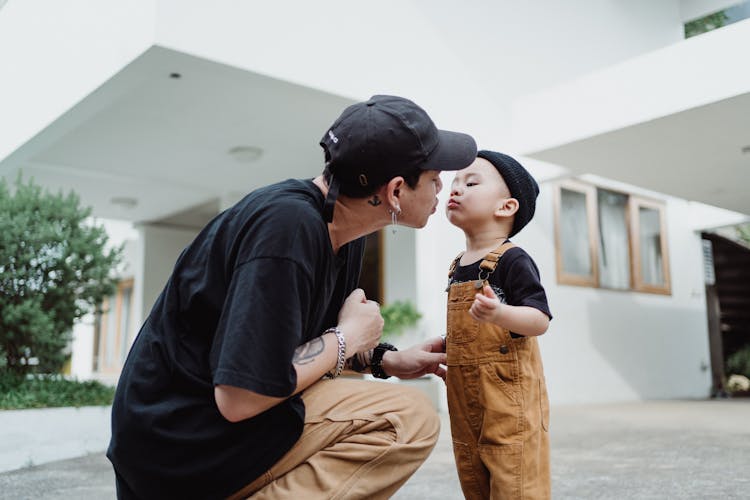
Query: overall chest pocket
[[462, 328]]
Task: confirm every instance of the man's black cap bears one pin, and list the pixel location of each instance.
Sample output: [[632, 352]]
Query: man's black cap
[[521, 185], [386, 136]]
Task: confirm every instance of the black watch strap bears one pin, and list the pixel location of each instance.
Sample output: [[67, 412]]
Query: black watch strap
[[376, 364]]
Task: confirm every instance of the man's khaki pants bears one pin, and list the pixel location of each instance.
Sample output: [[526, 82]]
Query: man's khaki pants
[[361, 439]]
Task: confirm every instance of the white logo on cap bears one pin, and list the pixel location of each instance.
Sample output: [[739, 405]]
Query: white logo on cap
[[333, 137]]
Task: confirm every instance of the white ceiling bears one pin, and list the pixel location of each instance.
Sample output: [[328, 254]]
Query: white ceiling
[[165, 141], [695, 154]]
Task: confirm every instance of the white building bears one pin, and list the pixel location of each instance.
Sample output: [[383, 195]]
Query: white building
[[164, 112]]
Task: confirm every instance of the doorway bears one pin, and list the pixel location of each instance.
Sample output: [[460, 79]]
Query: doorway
[[727, 271]]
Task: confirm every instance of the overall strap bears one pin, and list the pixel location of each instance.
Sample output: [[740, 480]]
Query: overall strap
[[452, 269], [486, 267], [490, 261]]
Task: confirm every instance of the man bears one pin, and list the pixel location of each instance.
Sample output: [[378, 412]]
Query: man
[[230, 388]]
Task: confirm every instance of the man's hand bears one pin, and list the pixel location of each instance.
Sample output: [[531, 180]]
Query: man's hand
[[360, 323], [417, 361]]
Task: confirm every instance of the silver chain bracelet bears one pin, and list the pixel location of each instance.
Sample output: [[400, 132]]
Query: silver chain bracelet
[[341, 360]]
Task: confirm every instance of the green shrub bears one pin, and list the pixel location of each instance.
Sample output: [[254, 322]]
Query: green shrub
[[44, 391], [54, 269], [398, 316], [739, 362]]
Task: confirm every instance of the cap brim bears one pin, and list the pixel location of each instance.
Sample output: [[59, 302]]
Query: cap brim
[[455, 151]]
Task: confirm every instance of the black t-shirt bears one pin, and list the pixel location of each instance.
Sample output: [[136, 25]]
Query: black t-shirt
[[515, 280], [257, 282]]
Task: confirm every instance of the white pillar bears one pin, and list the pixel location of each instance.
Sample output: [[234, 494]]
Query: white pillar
[[158, 250]]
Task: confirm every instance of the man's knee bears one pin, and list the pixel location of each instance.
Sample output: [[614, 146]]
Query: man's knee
[[419, 416]]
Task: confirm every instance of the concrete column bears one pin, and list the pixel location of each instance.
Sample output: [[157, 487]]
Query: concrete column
[[157, 251]]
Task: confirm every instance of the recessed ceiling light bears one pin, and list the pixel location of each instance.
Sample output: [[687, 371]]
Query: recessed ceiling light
[[746, 149], [246, 154], [124, 201], [175, 75]]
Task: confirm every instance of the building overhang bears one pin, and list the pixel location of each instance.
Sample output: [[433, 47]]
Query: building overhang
[[675, 121], [99, 98], [172, 133]]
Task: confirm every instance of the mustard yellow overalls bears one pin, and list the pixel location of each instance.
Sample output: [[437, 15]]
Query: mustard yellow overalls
[[497, 399]]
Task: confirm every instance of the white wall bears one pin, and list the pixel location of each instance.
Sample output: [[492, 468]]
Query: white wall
[[614, 346], [82, 348], [703, 217], [54, 54], [399, 265], [463, 62], [159, 248], [686, 75]]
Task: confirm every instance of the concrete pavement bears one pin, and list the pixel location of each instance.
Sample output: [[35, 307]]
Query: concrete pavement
[[645, 450]]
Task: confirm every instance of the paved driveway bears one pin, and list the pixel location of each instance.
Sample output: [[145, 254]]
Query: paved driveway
[[650, 450]]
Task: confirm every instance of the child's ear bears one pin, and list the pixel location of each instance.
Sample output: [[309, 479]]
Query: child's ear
[[508, 208]]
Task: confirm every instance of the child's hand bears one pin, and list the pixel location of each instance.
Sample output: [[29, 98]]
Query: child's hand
[[486, 306]]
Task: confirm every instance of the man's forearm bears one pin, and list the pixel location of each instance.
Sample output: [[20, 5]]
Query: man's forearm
[[311, 361]]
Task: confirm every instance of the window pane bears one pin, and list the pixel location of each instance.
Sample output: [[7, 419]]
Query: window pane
[[614, 256], [574, 233], [652, 269]]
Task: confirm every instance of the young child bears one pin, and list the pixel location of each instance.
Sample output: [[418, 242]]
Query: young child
[[497, 396]]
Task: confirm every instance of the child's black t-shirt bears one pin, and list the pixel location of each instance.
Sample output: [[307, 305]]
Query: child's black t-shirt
[[515, 280]]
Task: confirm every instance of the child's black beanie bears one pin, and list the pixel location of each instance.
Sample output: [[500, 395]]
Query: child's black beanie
[[521, 184]]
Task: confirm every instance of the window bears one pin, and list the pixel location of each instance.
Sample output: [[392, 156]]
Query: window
[[609, 239], [112, 330], [576, 244], [650, 262]]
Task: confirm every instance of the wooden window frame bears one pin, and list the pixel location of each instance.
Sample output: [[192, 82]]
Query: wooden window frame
[[589, 193], [634, 204], [102, 333]]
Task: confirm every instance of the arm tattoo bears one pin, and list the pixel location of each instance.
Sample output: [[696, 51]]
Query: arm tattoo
[[306, 353], [360, 362]]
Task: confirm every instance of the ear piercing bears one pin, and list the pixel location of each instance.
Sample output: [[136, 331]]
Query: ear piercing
[[394, 218]]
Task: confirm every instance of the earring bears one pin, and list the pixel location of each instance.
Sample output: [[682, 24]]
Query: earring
[[394, 218]]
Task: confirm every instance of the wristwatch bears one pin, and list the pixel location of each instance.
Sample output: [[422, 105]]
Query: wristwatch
[[376, 364]]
